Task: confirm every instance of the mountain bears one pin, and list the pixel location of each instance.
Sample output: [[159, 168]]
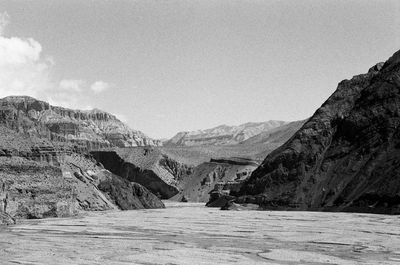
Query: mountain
[[346, 157], [45, 166], [223, 134], [93, 128]]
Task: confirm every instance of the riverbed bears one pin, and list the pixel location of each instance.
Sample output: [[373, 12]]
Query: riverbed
[[189, 233]]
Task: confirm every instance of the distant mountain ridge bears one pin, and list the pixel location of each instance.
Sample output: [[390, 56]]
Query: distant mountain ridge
[[95, 128], [223, 134]]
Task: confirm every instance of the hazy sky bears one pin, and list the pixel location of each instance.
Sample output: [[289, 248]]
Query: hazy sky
[[168, 66]]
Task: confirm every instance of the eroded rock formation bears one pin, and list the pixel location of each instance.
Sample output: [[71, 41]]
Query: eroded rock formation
[[157, 172], [129, 195], [32, 190]]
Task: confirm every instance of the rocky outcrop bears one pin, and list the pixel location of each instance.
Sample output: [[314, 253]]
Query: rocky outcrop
[[129, 195], [346, 157], [94, 129], [32, 190], [220, 200], [154, 177], [97, 189], [87, 176], [222, 135]]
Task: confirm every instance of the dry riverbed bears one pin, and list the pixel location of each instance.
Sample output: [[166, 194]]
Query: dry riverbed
[[193, 234]]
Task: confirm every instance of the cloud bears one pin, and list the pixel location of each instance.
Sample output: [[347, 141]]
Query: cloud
[[71, 85], [68, 93], [16, 51], [99, 86], [24, 70]]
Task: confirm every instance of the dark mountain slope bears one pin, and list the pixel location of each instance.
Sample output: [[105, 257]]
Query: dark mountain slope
[[345, 157]]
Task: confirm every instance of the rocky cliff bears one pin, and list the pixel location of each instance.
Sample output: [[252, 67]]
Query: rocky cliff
[[32, 190], [222, 135], [45, 167], [93, 128], [346, 157]]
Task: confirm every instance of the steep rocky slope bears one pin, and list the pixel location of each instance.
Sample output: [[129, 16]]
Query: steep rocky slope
[[147, 166], [222, 135], [94, 128], [99, 189], [345, 157], [215, 175]]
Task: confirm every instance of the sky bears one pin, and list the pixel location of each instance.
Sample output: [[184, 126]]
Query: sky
[[164, 66]]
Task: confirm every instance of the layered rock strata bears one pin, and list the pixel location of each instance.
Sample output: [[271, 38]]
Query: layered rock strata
[[93, 129]]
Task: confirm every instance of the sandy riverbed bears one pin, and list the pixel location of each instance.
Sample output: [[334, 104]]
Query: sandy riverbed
[[193, 234]]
